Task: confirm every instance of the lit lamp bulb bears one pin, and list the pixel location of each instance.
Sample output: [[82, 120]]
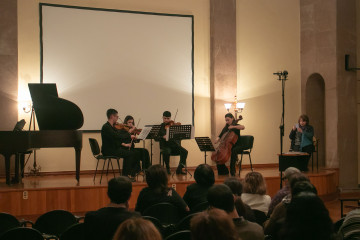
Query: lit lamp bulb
[[27, 107], [227, 106], [240, 106]]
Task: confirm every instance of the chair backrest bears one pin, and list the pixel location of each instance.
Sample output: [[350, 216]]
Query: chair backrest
[[74, 232], [165, 212], [95, 149], [182, 235], [184, 223], [200, 207], [156, 222], [247, 141], [7, 222], [55, 222], [22, 233]]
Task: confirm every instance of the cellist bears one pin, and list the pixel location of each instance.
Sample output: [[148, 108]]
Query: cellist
[[236, 149]]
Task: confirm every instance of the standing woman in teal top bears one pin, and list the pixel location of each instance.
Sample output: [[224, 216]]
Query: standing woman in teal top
[[301, 136]]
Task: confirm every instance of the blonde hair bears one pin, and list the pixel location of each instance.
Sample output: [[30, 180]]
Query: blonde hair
[[137, 229], [254, 183]]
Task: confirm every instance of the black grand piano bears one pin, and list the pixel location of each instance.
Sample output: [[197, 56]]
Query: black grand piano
[[58, 121]]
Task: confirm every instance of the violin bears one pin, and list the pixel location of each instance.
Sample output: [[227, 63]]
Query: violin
[[223, 152], [171, 123], [121, 126]]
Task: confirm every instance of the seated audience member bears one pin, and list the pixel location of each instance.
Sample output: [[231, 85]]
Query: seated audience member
[[237, 188], [137, 229], [350, 229], [196, 193], [102, 224], [307, 218], [298, 183], [220, 196], [284, 191], [158, 191], [213, 224], [254, 193]]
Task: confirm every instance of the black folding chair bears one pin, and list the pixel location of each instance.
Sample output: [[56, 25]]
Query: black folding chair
[[200, 207], [54, 223], [96, 153], [182, 235], [22, 233], [165, 212], [247, 142], [74, 232]]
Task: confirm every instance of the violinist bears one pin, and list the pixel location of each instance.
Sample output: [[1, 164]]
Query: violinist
[[171, 146], [114, 144], [236, 149], [143, 153]]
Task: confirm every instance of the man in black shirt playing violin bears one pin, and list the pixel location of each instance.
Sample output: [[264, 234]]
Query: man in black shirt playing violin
[[171, 146], [114, 143]]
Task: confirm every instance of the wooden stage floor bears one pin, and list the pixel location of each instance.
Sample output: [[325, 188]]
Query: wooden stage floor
[[37, 195]]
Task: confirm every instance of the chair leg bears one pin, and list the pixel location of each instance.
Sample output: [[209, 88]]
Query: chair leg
[[112, 166], [102, 170], [250, 162], [118, 166], [107, 170], [96, 169]]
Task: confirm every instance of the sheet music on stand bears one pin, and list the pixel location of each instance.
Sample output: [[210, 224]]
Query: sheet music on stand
[[150, 132], [205, 145], [180, 132], [144, 132]]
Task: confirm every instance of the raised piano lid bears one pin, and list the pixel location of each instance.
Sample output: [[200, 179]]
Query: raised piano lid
[[52, 112]]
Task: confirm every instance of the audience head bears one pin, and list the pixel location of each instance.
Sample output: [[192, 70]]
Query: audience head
[[204, 175], [220, 196], [307, 218], [235, 185], [302, 186], [157, 178], [254, 183], [137, 229], [213, 224], [350, 229], [119, 190], [290, 171], [111, 112]]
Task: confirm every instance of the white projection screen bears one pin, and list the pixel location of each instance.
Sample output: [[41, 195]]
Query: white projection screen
[[138, 63]]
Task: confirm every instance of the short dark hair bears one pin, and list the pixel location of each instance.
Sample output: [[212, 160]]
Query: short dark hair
[[305, 118], [229, 115], [204, 175], [235, 185], [302, 187], [127, 118], [297, 177], [157, 178], [119, 189], [167, 114], [220, 196], [110, 112]]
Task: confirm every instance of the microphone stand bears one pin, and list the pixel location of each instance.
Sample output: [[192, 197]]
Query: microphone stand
[[282, 76]]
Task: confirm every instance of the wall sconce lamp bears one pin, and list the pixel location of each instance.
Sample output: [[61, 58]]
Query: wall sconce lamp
[[238, 106]]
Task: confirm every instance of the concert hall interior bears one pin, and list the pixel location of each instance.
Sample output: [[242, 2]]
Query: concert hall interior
[[189, 57]]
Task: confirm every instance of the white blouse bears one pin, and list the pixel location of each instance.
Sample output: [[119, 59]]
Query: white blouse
[[257, 201]]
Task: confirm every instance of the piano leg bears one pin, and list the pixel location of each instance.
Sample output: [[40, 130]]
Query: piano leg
[[17, 160], [7, 168], [78, 157]]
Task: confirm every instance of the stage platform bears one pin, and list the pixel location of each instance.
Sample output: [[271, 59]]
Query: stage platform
[[40, 194]]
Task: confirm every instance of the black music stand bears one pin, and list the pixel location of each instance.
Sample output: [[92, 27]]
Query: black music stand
[[205, 145], [152, 135], [180, 132]]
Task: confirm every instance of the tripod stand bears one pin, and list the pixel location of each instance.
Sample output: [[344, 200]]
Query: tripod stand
[[35, 170]]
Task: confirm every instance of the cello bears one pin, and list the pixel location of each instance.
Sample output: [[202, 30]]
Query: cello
[[223, 152]]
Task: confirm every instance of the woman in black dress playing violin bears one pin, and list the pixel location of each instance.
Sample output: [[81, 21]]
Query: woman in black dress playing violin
[[231, 124]]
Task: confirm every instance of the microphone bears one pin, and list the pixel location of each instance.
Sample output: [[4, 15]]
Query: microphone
[[279, 73], [285, 73]]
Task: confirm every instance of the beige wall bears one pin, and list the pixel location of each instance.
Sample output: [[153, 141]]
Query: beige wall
[[267, 40]]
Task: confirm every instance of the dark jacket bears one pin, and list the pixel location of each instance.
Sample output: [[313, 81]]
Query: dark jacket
[[102, 224], [112, 139], [195, 194]]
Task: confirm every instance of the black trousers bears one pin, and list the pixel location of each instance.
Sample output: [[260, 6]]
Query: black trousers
[[144, 157], [131, 160], [222, 169], [174, 149]]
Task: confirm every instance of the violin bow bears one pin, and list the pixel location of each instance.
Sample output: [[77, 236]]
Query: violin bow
[[176, 114]]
